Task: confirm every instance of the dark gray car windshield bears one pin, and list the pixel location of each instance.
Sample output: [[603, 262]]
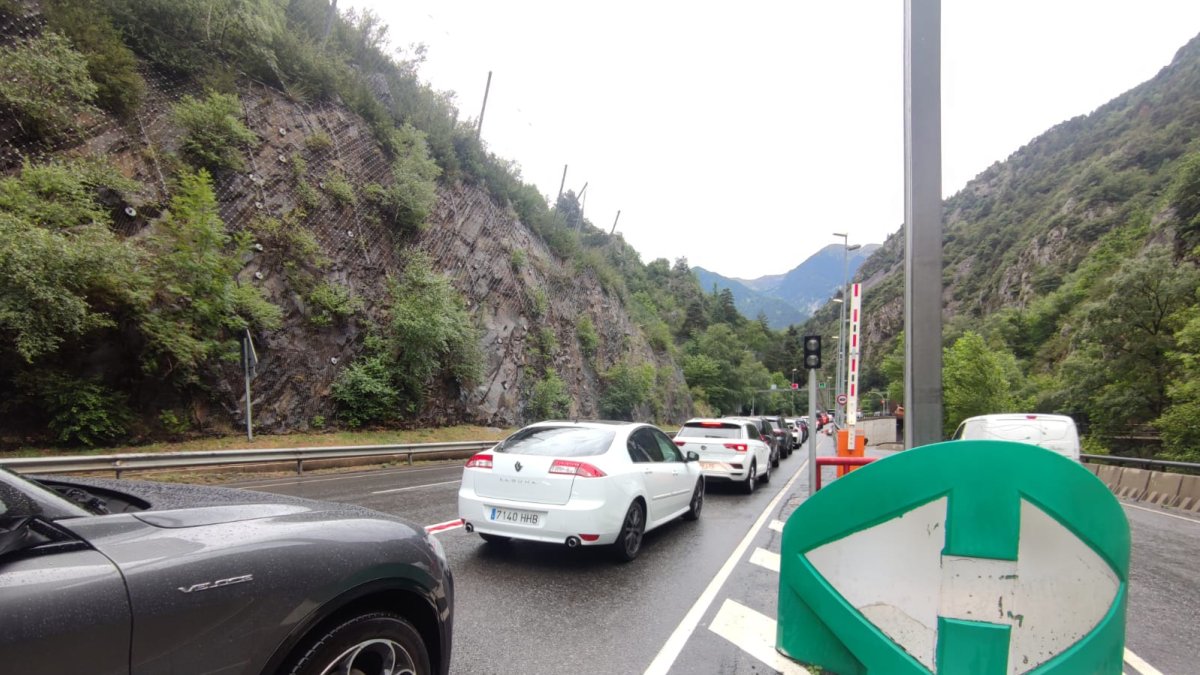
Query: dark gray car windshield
[[558, 442], [22, 497]]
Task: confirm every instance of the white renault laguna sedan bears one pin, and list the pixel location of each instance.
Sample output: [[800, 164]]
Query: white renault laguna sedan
[[580, 484]]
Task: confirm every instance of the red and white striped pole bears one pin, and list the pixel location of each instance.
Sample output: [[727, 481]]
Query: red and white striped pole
[[853, 362]]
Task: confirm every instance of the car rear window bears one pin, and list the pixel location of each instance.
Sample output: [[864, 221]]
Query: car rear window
[[710, 430], [558, 442]]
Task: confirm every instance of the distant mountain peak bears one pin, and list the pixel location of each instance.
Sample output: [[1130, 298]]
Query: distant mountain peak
[[789, 298]]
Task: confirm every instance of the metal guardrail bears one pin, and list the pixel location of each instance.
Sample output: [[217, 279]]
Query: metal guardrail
[[166, 460], [1142, 461]]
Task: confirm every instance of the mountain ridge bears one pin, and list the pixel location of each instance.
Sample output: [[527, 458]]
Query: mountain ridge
[[790, 298]]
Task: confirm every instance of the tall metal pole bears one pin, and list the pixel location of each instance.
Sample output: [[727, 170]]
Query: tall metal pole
[[486, 91], [812, 430], [561, 185], [614, 227], [922, 223], [839, 377], [246, 368]]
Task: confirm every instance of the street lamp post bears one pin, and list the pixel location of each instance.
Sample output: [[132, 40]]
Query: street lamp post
[[841, 362]]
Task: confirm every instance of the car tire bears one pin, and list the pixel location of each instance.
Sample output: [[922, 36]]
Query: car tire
[[629, 539], [765, 477], [775, 460], [697, 503], [751, 478], [494, 538], [369, 639]]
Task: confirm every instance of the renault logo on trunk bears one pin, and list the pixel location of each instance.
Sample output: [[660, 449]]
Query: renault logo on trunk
[[517, 466]]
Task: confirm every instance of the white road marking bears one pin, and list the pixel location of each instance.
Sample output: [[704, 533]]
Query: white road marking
[[443, 527], [1161, 513], [674, 645], [415, 487], [1141, 666], [367, 474], [764, 558], [776, 525], [754, 633]]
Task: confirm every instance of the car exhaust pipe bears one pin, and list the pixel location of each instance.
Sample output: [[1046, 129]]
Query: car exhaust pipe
[[572, 542], [468, 527]]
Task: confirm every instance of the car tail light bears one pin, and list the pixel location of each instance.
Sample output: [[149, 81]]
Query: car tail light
[[1031, 417], [738, 447], [712, 424], [681, 443], [589, 537], [480, 461], [569, 467]]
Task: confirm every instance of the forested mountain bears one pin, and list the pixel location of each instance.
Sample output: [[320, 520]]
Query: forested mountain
[[177, 176], [749, 302], [1070, 274], [790, 298]]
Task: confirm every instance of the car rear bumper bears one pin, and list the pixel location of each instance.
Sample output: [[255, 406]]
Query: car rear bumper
[[556, 522], [724, 471]]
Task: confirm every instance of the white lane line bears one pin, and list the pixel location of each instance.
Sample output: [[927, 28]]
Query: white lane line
[[754, 633], [1141, 666], [776, 525], [361, 474], [443, 527], [1161, 513], [764, 558], [674, 645], [415, 487]]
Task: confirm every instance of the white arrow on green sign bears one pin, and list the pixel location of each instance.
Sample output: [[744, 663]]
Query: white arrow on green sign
[[972, 556]]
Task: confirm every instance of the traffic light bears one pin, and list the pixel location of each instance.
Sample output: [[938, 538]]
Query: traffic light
[[812, 352]]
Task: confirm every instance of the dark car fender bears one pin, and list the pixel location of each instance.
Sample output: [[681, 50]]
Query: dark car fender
[[429, 611], [214, 586]]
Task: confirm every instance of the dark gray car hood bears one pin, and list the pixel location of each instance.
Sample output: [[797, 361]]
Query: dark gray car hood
[[180, 505]]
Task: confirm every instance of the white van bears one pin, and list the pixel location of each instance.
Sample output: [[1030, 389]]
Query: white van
[[1053, 432]]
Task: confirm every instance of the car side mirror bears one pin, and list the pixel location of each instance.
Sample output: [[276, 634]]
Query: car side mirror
[[16, 534], [692, 456]]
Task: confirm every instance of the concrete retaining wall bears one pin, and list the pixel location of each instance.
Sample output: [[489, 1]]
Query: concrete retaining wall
[[1156, 487], [878, 429], [1189, 494]]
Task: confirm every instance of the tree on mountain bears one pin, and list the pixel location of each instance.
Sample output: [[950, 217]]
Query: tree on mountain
[[1121, 368], [1180, 423], [1185, 199], [724, 309], [975, 380], [569, 210], [893, 370]]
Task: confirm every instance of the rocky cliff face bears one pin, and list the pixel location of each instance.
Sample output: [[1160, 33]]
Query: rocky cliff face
[[473, 240], [470, 238]]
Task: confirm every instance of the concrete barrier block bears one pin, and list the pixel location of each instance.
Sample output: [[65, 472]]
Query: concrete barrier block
[[1109, 475], [1189, 493], [1091, 467], [1132, 483], [1163, 488]]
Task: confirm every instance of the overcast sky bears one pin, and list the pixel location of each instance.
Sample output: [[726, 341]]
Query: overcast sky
[[740, 135]]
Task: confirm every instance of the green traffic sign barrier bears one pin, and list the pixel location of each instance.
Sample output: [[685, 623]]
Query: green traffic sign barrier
[[982, 557]]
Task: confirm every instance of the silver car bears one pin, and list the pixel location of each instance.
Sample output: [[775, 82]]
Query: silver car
[[133, 577]]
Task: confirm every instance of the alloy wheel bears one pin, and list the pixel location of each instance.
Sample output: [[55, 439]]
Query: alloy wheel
[[373, 657]]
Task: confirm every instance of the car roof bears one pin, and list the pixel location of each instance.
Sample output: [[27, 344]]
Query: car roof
[[610, 425]]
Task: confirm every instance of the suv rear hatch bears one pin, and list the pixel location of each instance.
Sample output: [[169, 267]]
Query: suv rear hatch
[[713, 440]]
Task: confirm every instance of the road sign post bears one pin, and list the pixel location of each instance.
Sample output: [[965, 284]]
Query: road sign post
[[984, 557], [812, 432]]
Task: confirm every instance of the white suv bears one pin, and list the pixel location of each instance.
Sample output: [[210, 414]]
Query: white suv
[[729, 449]]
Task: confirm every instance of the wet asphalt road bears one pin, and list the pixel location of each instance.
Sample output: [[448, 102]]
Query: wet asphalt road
[[533, 608]]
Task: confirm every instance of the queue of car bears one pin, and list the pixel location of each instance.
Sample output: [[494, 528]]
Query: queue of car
[[185, 578]]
